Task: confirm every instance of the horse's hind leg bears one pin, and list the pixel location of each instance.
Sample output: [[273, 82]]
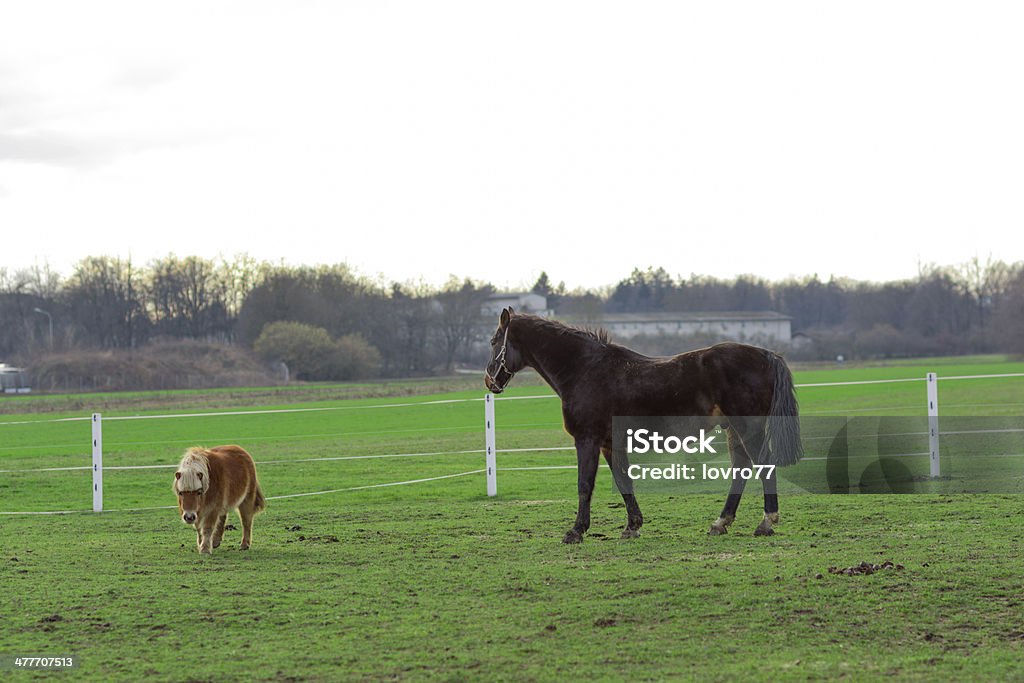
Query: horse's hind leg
[[634, 520], [739, 458], [218, 533], [771, 506], [753, 442], [732, 503], [246, 512]]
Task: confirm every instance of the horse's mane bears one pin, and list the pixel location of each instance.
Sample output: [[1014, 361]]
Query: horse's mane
[[192, 465], [599, 334]]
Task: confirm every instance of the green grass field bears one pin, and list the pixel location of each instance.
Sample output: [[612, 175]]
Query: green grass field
[[434, 580]]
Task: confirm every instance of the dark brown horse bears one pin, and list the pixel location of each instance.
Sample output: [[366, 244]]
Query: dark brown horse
[[597, 380]]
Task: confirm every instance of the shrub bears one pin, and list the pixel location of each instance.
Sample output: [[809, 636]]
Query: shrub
[[304, 349], [353, 358], [311, 354]]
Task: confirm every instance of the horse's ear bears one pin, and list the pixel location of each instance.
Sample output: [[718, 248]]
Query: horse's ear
[[177, 475], [506, 315]]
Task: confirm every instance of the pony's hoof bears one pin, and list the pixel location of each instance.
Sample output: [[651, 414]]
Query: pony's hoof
[[630, 533], [573, 536], [718, 530], [764, 531], [244, 546]]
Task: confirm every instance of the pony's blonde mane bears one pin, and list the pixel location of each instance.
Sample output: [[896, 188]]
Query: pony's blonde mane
[[192, 465]]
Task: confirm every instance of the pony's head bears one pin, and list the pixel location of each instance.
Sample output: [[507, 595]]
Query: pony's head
[[191, 481], [506, 359]]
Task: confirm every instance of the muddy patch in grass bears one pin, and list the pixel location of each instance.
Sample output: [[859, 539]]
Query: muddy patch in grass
[[865, 568]]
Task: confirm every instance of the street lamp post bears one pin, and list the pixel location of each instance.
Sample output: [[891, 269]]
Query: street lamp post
[[50, 317]]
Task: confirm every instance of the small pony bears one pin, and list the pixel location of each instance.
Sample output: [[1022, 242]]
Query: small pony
[[210, 482]]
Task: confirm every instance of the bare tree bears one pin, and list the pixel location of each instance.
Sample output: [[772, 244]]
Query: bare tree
[[405, 326], [105, 300], [985, 283], [460, 317]]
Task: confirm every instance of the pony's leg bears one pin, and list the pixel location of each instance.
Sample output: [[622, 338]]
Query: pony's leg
[[199, 537], [586, 472], [634, 520], [739, 458], [206, 539], [246, 513], [218, 533], [771, 507]]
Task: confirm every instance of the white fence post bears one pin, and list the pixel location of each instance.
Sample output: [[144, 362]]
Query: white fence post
[[492, 467], [97, 462], [933, 423]]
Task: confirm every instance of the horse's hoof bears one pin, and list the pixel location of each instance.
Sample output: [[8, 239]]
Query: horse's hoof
[[573, 536], [244, 546], [630, 533], [764, 531], [718, 530]]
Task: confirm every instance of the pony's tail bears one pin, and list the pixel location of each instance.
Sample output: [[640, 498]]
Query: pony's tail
[[782, 444], [260, 504]]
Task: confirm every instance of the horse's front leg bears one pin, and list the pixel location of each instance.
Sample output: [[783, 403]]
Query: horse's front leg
[[218, 533], [586, 470], [205, 525]]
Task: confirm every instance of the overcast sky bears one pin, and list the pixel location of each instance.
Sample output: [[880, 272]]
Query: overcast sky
[[496, 140]]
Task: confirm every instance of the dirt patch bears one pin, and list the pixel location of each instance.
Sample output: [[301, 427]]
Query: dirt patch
[[316, 539], [865, 568]]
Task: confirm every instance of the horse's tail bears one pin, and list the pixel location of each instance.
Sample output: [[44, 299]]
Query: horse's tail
[[782, 444], [260, 504]]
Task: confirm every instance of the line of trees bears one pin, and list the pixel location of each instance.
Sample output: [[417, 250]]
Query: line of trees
[[977, 306], [111, 303], [403, 329]]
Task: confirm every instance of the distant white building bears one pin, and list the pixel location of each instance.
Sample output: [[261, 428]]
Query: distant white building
[[763, 326], [522, 302], [766, 327], [13, 380]]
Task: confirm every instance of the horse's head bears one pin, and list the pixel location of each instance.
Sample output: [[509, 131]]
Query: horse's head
[[190, 485], [506, 359]]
